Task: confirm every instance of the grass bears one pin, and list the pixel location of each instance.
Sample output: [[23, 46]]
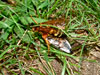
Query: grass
[[17, 39]]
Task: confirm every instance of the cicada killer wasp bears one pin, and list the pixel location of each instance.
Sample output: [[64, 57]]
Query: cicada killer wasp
[[53, 35]]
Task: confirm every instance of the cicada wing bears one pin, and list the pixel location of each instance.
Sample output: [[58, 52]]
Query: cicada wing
[[62, 44]]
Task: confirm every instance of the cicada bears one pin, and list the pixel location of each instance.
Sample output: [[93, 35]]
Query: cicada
[[53, 35]]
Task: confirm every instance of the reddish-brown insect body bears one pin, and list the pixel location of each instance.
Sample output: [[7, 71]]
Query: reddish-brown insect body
[[46, 30], [49, 32]]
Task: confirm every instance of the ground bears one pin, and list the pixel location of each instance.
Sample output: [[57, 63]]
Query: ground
[[23, 51]]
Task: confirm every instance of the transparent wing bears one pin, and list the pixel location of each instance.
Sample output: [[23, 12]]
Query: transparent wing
[[60, 43]]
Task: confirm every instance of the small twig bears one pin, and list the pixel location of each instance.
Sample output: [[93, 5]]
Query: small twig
[[51, 68], [33, 19], [21, 38], [70, 68], [18, 42]]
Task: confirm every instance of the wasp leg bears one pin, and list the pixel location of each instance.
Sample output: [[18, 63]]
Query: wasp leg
[[44, 36]]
